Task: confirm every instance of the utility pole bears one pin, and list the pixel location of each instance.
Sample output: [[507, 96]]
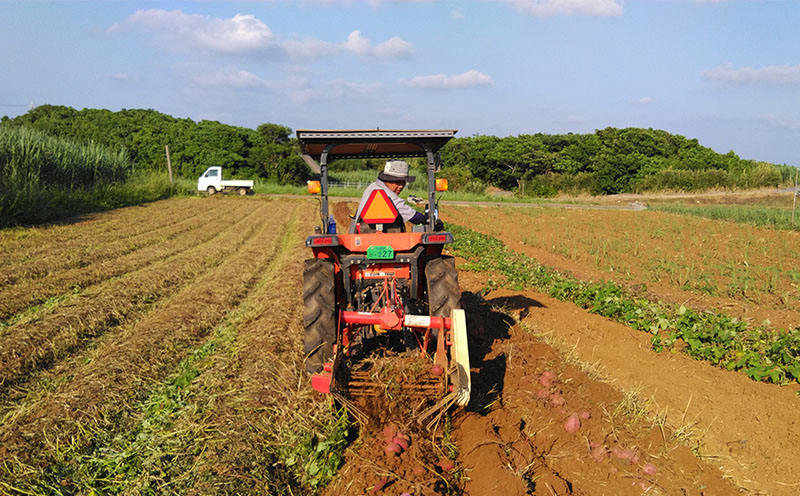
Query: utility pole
[[794, 199], [169, 165]]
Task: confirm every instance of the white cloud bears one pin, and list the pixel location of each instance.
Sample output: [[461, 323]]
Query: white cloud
[[468, 79], [645, 100], [207, 77], [790, 123], [246, 34], [121, 76], [774, 74], [457, 14], [184, 32], [571, 120], [232, 78], [550, 8], [308, 48], [394, 47]]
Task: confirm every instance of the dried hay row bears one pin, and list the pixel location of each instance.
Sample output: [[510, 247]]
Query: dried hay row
[[88, 230], [90, 249], [252, 398], [106, 265], [30, 345], [273, 398], [197, 417], [105, 390]]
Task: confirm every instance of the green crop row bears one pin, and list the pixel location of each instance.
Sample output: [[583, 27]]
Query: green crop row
[[49, 203], [760, 216], [33, 158], [43, 178], [763, 353]]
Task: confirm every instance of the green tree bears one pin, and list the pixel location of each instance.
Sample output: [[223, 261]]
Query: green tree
[[274, 133]]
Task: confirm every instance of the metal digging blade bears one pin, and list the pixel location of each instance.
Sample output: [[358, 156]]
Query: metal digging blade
[[457, 371]]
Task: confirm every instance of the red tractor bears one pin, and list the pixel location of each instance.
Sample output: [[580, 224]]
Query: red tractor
[[366, 292]]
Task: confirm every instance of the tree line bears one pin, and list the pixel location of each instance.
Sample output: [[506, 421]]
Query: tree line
[[607, 161], [266, 152]]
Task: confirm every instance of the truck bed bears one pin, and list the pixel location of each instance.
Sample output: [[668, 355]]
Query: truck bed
[[237, 183]]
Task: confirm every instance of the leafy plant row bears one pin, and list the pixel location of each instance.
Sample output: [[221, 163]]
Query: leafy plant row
[[773, 217], [763, 353]]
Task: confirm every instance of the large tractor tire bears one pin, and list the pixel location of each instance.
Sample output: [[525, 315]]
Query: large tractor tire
[[319, 312], [443, 292]]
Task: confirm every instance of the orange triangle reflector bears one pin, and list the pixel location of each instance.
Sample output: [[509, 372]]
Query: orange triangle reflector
[[379, 209]]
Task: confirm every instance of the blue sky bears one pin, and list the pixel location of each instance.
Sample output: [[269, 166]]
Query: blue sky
[[724, 72]]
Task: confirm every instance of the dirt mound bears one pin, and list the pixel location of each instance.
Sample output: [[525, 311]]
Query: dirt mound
[[535, 425]]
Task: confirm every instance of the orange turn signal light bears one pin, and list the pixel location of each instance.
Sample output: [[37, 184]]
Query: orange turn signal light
[[441, 184], [313, 187]]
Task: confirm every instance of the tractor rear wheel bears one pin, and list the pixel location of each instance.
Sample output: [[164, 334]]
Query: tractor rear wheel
[[443, 292], [319, 312]]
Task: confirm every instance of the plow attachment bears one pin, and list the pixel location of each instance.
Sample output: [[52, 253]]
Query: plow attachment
[[445, 383]]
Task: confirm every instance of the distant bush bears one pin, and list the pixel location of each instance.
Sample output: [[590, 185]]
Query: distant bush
[[551, 184], [267, 152], [45, 178], [609, 161], [760, 176]]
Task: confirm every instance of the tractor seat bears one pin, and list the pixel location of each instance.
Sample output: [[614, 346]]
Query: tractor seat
[[398, 226]]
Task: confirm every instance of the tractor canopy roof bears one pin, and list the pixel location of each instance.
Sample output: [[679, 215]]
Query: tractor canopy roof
[[372, 143]]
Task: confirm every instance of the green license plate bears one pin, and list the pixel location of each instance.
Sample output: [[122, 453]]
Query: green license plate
[[380, 253]]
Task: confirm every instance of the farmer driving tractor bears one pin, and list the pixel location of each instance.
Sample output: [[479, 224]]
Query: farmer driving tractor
[[392, 180]]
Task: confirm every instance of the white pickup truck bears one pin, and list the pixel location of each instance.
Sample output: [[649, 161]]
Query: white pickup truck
[[211, 181]]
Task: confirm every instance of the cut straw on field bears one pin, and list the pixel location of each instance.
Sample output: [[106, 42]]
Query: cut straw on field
[[236, 411], [33, 243], [49, 253], [114, 260], [122, 369], [30, 345]]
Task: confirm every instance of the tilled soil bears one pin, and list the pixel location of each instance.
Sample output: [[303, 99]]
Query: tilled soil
[[535, 425], [743, 271], [656, 423], [558, 418]]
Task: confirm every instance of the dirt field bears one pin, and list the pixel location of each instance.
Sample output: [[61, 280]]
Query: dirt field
[[159, 349]]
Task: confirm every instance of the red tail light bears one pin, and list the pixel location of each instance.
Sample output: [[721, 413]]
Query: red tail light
[[437, 238], [319, 241]]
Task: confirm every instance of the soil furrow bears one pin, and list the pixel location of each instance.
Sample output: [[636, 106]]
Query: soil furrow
[[123, 369], [745, 271], [236, 379], [35, 344], [27, 244], [179, 370], [20, 296], [61, 258], [269, 379]]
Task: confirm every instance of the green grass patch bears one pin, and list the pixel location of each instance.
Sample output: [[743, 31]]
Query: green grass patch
[[761, 352], [53, 202], [760, 216], [43, 178]]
